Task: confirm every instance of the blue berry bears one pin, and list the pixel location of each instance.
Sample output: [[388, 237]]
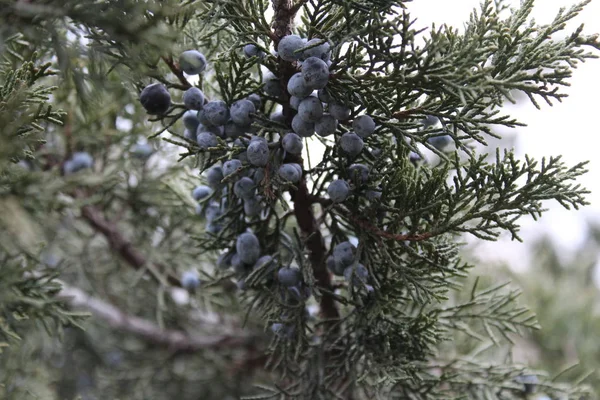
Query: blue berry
[[359, 174], [207, 140], [215, 113], [192, 62], [244, 188], [289, 277], [231, 166], [351, 144], [272, 85], [290, 173], [295, 102], [277, 116], [429, 121], [258, 175], [241, 112], [310, 109], [201, 192], [334, 267], [247, 247], [326, 125], [286, 49], [252, 50], [339, 111], [190, 280], [364, 126], [193, 98], [297, 86], [315, 73], [318, 50], [292, 143], [338, 190], [344, 253], [302, 127], [253, 206], [324, 96], [190, 120], [214, 176], [264, 261], [440, 142], [142, 151], [155, 99], [258, 152], [255, 99]]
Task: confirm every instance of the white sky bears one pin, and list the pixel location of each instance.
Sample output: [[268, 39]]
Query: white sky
[[568, 128]]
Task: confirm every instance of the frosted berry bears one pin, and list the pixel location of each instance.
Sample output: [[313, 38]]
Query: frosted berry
[[193, 98], [215, 113], [263, 262], [320, 51], [351, 144], [364, 126], [295, 102], [155, 99], [287, 47], [142, 151], [315, 73], [292, 143], [272, 85], [190, 280], [252, 206], [252, 50], [192, 62], [214, 176], [359, 174], [290, 173], [244, 188], [201, 192], [338, 190], [289, 277], [440, 142], [334, 267], [255, 99], [344, 253], [189, 135], [258, 152], [298, 87], [302, 127], [241, 112], [326, 125], [324, 96], [207, 140], [339, 111], [258, 175], [310, 109], [190, 120], [231, 166], [430, 121], [247, 247]]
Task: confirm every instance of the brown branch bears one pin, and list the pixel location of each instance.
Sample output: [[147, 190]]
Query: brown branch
[[118, 242], [175, 340], [388, 235], [177, 71], [406, 113]]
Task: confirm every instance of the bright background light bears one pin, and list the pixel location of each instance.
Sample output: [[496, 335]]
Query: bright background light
[[569, 128]]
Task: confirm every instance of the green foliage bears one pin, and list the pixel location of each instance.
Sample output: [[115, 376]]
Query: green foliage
[[126, 229]]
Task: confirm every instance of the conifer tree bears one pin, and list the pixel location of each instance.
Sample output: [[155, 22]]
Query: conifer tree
[[265, 199]]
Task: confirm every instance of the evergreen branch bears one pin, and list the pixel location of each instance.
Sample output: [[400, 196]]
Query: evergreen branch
[[121, 245]]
